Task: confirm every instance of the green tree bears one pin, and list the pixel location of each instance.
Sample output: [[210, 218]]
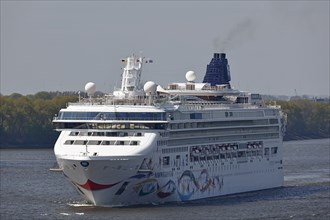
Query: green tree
[[27, 120]]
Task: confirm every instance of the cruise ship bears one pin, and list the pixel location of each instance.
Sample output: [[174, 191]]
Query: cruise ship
[[146, 143]]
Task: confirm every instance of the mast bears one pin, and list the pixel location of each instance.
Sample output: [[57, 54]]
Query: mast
[[131, 78], [131, 86]]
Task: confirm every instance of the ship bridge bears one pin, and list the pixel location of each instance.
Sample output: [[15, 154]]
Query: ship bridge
[[110, 117]]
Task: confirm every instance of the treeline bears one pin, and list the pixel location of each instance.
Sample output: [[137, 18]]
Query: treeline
[[306, 119], [27, 120]]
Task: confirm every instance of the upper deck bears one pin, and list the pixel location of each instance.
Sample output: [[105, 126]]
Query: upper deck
[[152, 107]]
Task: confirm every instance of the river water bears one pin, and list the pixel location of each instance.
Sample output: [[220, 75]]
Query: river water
[[28, 190]]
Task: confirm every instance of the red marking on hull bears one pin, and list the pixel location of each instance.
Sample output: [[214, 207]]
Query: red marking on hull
[[90, 185]]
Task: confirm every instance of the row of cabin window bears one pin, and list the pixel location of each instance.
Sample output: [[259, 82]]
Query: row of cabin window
[[162, 143], [81, 125], [106, 134], [239, 154], [174, 150], [273, 150], [221, 131], [95, 142], [229, 114], [218, 124], [158, 116]]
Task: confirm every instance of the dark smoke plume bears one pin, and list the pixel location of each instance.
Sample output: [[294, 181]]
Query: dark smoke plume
[[241, 33]]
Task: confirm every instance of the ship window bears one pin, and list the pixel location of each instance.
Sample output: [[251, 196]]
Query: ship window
[[196, 116], [166, 160], [274, 150], [80, 142], [94, 142], [123, 134], [241, 154], [273, 121], [130, 88], [242, 99], [106, 143], [134, 143], [256, 96], [177, 160], [173, 86], [193, 158], [68, 142], [74, 133], [266, 151]]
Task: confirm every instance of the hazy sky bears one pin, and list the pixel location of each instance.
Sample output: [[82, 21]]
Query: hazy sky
[[272, 47]]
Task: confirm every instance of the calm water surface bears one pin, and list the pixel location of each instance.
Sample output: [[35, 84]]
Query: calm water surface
[[28, 190]]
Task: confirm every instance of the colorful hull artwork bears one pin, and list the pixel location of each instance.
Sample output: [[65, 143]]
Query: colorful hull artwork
[[167, 190], [146, 187], [149, 186], [187, 185]]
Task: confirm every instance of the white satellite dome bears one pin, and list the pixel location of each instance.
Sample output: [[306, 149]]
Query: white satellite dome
[[190, 76], [150, 87], [90, 88]]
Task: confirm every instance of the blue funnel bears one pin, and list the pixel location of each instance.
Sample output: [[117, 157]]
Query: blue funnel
[[217, 72]]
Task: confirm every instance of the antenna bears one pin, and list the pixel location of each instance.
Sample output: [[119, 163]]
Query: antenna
[[79, 95], [295, 92]]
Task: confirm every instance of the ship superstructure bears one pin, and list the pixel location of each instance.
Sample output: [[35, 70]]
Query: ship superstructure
[[188, 141]]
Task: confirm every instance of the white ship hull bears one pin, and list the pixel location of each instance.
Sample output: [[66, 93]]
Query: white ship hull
[[188, 142], [120, 181]]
